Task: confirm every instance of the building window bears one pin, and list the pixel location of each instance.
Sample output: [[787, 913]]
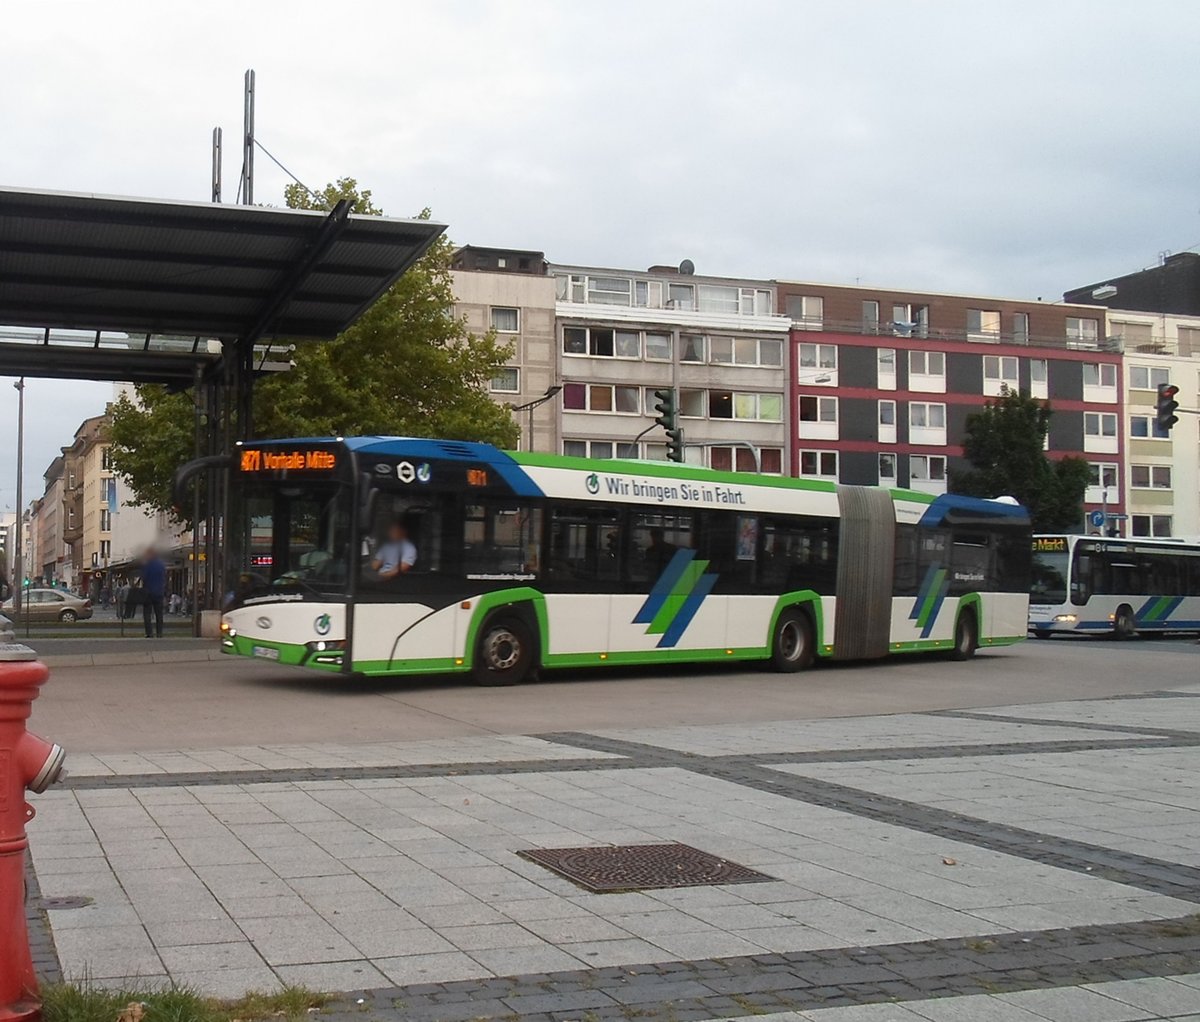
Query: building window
[[658, 347], [999, 374], [1039, 384], [927, 371], [870, 317], [922, 415], [1188, 341], [1103, 475], [1020, 327], [1099, 424], [692, 404], [822, 464], [1150, 477], [681, 296], [591, 448], [886, 368], [647, 294], [725, 404], [746, 351], [692, 348], [1148, 377], [1100, 374], [1151, 525], [609, 290], [887, 469], [506, 321], [742, 459], [927, 472], [105, 520], [105, 550], [910, 320], [717, 298], [106, 459], [507, 380], [628, 344], [887, 422], [983, 324], [818, 365], [807, 312], [1083, 333], [756, 301], [1146, 427], [818, 409], [579, 397]]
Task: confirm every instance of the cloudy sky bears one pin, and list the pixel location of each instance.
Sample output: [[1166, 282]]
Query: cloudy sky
[[1014, 148]]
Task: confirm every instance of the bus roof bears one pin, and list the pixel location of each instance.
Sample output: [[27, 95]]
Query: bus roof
[[554, 475]]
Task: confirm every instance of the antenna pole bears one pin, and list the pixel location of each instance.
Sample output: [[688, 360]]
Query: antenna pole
[[248, 138], [216, 165]]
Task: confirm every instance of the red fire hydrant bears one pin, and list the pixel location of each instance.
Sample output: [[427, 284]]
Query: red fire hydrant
[[26, 763]]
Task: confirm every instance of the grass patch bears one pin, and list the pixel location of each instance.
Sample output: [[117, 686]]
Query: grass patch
[[68, 1002]]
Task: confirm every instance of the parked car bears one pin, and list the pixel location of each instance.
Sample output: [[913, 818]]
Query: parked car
[[51, 605]]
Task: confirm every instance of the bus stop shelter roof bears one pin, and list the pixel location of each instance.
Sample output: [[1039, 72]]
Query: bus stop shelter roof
[[150, 268]]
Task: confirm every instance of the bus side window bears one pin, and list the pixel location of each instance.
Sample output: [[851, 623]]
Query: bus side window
[[654, 538], [585, 548], [971, 563], [797, 554], [906, 580]]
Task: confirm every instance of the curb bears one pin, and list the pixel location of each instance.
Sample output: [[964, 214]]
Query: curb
[[129, 659]]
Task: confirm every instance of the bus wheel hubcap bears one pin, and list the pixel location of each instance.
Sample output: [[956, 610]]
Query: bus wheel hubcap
[[503, 650], [791, 642]]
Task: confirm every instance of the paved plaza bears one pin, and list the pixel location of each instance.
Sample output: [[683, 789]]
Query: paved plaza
[[1014, 862]]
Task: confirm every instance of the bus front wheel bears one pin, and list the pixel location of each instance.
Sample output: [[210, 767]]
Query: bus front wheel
[[793, 645], [504, 654], [1124, 623], [966, 636]]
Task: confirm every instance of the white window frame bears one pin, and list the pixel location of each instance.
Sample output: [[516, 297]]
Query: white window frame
[[996, 376], [927, 433], [1100, 440], [816, 364], [1082, 332], [734, 449], [1152, 521], [597, 295], [1153, 431], [822, 458], [1039, 388], [989, 325], [646, 346], [505, 308], [926, 483], [588, 387], [1104, 390], [1108, 478], [516, 371], [825, 425], [884, 379], [887, 431], [1153, 473], [892, 459], [812, 312], [1152, 377], [925, 379]]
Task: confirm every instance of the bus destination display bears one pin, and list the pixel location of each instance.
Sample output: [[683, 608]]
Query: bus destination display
[[260, 460]]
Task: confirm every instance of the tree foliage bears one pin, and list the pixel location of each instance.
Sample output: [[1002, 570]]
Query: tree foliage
[[407, 367], [1005, 444]]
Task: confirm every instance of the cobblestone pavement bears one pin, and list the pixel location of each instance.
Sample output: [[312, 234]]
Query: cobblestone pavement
[[1015, 863]]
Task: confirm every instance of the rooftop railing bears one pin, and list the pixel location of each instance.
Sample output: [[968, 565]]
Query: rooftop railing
[[922, 331]]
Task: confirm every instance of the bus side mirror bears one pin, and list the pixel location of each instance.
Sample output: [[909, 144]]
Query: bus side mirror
[[366, 503]]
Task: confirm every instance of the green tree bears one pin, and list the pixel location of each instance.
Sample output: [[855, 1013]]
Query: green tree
[[1005, 444], [408, 366]]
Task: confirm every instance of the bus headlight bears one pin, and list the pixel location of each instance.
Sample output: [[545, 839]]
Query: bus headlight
[[326, 645], [1066, 618]]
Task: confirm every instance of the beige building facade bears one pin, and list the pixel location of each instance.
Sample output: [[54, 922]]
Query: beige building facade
[[1162, 467]]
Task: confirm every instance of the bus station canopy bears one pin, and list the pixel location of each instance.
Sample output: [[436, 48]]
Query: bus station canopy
[[109, 288]]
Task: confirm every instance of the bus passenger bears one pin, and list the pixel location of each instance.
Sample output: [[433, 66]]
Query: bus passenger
[[659, 552], [397, 555]]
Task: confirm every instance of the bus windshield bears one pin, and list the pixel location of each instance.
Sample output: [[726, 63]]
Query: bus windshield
[[297, 535], [1049, 576]]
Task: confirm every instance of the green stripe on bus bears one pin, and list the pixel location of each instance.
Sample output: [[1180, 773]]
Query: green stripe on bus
[[931, 597], [676, 597]]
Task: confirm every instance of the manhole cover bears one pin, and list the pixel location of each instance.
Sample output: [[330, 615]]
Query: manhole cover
[[613, 868], [67, 901]]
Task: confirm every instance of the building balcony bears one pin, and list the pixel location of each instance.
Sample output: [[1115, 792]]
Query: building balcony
[[913, 331]]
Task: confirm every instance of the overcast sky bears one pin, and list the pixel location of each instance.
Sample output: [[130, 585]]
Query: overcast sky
[[1008, 148]]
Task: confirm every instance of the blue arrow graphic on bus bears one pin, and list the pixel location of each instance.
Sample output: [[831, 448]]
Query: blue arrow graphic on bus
[[929, 599], [675, 597]]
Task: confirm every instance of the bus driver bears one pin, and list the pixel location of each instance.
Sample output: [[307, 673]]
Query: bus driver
[[396, 556]]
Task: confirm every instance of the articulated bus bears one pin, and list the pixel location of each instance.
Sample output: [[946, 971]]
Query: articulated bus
[[1093, 585], [517, 561]]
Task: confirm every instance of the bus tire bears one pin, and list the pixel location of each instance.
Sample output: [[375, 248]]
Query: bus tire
[[966, 635], [793, 646], [505, 652], [1124, 623]]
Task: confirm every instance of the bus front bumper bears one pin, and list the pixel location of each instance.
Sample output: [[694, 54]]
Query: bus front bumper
[[1042, 622]]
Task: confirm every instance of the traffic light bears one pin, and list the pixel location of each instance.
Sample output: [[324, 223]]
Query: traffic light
[[668, 411], [1165, 410], [675, 445]]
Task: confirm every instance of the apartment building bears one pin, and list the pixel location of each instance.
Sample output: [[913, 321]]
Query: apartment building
[[721, 342], [53, 560], [81, 460], [1162, 467], [508, 290], [883, 382]]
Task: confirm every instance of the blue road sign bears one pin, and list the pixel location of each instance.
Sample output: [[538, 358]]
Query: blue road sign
[[1096, 518]]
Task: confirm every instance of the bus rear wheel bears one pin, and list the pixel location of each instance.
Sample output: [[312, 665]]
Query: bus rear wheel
[[793, 644], [1124, 623], [504, 654], [966, 636]]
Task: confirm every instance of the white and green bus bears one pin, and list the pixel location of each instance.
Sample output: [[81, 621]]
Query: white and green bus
[[525, 561], [1096, 585]]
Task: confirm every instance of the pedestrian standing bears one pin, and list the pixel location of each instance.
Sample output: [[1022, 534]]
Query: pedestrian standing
[[154, 586]]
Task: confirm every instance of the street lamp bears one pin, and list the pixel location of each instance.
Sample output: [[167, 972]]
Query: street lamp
[[551, 392], [18, 586]]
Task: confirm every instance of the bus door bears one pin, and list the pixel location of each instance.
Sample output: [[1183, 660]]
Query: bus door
[[583, 571]]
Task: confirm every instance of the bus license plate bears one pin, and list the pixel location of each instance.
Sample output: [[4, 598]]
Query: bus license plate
[[266, 652]]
